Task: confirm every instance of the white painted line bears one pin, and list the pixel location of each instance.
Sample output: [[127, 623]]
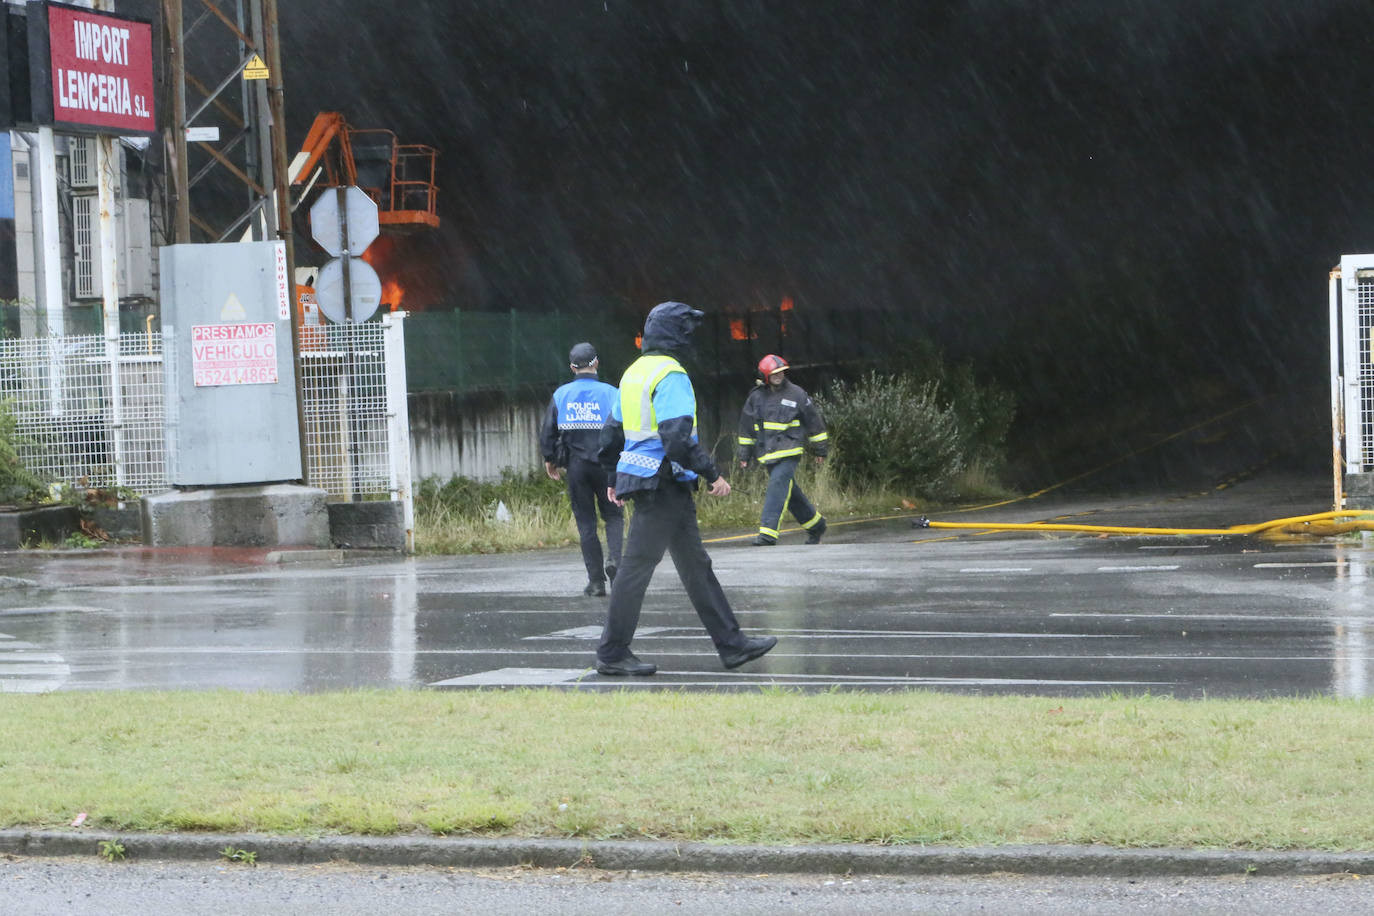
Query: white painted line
[[918, 634], [1173, 546], [31, 686], [1115, 569], [45, 668], [1136, 615], [1326, 563], [594, 632], [515, 677], [996, 569], [8, 657], [26, 671], [851, 570], [547, 677]]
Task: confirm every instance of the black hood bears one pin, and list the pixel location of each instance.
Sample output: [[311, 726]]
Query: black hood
[[670, 326]]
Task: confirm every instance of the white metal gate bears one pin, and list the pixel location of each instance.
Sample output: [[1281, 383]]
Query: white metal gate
[[1351, 305], [78, 423]]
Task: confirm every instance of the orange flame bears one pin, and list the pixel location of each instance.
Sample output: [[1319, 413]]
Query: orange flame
[[392, 293]]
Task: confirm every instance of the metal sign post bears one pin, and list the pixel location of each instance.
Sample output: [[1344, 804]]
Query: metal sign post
[[347, 289]]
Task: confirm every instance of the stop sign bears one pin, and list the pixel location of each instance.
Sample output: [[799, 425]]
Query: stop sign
[[360, 212]]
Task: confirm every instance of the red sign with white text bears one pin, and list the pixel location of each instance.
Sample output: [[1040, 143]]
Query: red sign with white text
[[102, 70], [234, 354]]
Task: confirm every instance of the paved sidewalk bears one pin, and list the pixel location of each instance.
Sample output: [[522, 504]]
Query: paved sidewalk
[[616, 855]]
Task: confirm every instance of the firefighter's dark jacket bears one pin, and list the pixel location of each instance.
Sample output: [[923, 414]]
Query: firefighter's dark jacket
[[779, 423]]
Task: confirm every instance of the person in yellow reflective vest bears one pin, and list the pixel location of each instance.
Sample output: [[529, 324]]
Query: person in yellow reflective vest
[[778, 425], [649, 447]]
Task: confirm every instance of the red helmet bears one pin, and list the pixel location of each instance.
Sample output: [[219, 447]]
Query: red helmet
[[770, 364]]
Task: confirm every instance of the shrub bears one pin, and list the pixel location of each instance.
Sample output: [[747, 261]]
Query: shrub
[[918, 434], [16, 481]]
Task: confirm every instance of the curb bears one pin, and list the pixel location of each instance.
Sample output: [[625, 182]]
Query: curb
[[616, 855]]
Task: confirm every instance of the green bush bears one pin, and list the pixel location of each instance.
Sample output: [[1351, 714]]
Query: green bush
[[915, 433], [16, 481]]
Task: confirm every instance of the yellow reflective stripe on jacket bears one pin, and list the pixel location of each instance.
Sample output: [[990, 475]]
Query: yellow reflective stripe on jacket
[[819, 437], [781, 453], [744, 440], [637, 395], [767, 425]]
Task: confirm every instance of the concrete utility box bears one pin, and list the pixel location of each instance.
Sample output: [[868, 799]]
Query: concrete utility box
[[231, 391]]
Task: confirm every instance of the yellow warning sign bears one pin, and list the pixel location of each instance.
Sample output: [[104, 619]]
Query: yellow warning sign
[[232, 309], [255, 69]]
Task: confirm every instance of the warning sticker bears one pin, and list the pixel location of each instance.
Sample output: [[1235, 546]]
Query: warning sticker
[[256, 69], [234, 354]]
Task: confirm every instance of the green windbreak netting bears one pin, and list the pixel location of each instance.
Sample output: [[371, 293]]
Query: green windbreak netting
[[476, 351]]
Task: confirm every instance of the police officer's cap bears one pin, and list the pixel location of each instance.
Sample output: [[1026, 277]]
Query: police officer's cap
[[582, 355]]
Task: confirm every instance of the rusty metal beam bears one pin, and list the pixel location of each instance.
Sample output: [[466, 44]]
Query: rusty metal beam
[[230, 24], [234, 169], [229, 113]]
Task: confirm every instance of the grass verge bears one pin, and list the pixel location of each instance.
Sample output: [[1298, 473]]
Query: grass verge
[[465, 516], [768, 767]]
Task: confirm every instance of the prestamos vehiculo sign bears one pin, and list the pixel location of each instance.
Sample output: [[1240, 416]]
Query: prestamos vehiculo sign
[[234, 354]]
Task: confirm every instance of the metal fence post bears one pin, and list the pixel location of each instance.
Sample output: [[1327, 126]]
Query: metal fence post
[[398, 420]]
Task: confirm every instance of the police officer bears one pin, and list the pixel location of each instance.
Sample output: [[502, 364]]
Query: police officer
[[778, 424], [569, 437], [650, 447]]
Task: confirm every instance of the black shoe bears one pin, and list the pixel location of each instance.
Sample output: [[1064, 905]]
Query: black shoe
[[763, 540], [595, 588], [753, 647], [818, 529], [610, 573], [627, 665]]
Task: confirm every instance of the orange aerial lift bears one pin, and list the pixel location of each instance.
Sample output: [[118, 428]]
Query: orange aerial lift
[[398, 176]]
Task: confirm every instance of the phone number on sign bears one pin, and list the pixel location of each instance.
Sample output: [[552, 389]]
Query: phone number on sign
[[251, 375]]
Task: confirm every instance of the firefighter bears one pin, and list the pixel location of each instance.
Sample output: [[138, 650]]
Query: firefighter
[[651, 450], [778, 425], [569, 438]]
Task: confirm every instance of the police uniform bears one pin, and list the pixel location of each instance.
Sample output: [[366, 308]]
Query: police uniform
[[569, 437], [651, 447]]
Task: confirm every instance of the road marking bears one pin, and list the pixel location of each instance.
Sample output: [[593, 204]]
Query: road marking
[[692, 633], [23, 670], [1173, 546], [1114, 569], [594, 633], [852, 570], [582, 677], [516, 677], [996, 569], [1135, 615], [1298, 565]]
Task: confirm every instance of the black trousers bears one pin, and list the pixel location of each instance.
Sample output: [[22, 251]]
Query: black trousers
[[666, 519], [587, 493]]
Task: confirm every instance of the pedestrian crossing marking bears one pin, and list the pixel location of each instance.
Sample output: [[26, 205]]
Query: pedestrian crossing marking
[[594, 633], [24, 668], [516, 677]]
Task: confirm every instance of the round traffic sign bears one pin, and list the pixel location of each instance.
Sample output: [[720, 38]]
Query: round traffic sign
[[365, 289]]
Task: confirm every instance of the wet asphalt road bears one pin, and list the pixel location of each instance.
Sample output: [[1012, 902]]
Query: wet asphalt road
[[41, 887], [878, 606]]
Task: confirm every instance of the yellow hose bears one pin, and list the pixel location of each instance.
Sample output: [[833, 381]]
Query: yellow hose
[[1321, 523]]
